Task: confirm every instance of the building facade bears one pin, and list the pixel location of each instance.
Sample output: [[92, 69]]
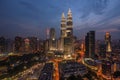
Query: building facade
[[90, 44]]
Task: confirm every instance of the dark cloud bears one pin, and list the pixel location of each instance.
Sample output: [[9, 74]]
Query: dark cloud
[[93, 6], [28, 5]]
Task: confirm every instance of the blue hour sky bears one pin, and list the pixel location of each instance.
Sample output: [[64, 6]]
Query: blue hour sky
[[33, 17]]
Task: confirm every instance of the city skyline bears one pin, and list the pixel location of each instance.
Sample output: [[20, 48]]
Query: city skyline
[[28, 18]]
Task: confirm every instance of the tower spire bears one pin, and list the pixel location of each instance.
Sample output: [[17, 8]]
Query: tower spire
[[69, 11], [69, 23], [63, 15]]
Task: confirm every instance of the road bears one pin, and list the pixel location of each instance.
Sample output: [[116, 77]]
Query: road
[[31, 73]]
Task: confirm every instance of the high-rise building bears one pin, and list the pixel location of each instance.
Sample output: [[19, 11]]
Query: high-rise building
[[18, 44], [46, 43], [69, 29], [9, 44], [27, 45], [108, 42], [2, 44], [63, 26], [68, 40], [52, 34], [108, 45], [87, 45], [52, 40], [102, 51], [33, 43], [63, 32], [90, 44]]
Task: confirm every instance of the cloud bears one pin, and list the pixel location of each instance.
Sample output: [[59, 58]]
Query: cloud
[[93, 6], [34, 16], [29, 6], [110, 30]]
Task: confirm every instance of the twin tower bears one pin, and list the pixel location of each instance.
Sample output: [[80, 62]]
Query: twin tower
[[66, 35], [67, 25]]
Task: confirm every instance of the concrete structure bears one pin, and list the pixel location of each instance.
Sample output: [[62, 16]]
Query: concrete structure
[[90, 44], [52, 40]]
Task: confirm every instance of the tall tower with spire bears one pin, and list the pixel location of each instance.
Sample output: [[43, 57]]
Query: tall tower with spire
[[69, 29], [108, 42], [63, 26], [66, 39], [108, 45]]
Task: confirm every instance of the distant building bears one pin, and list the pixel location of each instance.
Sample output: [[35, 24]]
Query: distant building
[[106, 68], [108, 44], [33, 43], [90, 44], [18, 43], [102, 51], [2, 44], [52, 40], [46, 43], [9, 45], [87, 45], [27, 45]]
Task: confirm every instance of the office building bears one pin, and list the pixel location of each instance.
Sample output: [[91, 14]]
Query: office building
[[90, 44]]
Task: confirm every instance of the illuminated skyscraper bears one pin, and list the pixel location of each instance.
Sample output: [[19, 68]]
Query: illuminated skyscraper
[[108, 42], [52, 40], [63, 26], [63, 32], [66, 39], [69, 29]]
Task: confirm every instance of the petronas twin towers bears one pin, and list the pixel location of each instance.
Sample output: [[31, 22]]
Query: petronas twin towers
[[67, 25], [67, 33]]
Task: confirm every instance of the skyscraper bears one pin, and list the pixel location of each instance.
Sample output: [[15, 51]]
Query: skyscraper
[[87, 45], [63, 26], [52, 40], [69, 29], [66, 40], [52, 34], [108, 45], [108, 42], [90, 44]]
